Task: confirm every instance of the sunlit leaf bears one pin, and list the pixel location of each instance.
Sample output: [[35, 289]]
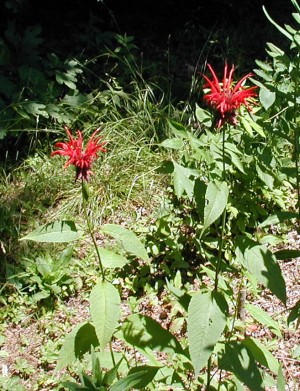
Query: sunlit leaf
[[105, 311], [128, 239], [259, 261], [206, 321], [216, 197], [56, 232]]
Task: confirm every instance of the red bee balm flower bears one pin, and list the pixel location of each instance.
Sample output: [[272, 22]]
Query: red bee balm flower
[[81, 158], [225, 97]]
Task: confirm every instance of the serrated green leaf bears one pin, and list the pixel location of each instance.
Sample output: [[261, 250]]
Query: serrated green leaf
[[128, 239], [207, 314], [261, 354], [105, 311], [216, 196], [111, 260], [182, 181], [239, 360], [260, 262], [78, 342], [56, 232]]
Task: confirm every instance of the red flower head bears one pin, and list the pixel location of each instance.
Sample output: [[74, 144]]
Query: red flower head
[[225, 97], [81, 158]]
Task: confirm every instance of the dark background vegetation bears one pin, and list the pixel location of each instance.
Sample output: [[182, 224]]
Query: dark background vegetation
[[239, 29], [173, 39]]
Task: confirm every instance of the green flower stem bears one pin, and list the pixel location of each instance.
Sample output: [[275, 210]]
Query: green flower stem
[[221, 242], [296, 151], [85, 196], [296, 135]]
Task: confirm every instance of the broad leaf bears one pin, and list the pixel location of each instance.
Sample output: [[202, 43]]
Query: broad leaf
[[206, 321], [265, 177], [216, 196], [261, 354], [178, 129], [145, 333], [278, 217], [137, 378], [56, 232], [78, 342], [264, 318], [182, 181], [260, 262], [238, 359], [111, 260], [105, 309], [203, 117], [173, 143], [128, 239], [266, 97]]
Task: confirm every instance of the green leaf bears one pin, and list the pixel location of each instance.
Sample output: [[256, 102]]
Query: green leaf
[[56, 232], [145, 333], [295, 313], [78, 342], [282, 30], [111, 260], [264, 318], [263, 65], [203, 116], [216, 196], [274, 51], [137, 378], [278, 217], [178, 129], [261, 354], [265, 177], [128, 239], [207, 314], [173, 143], [267, 98], [239, 360], [287, 254], [105, 311], [260, 262], [182, 181], [280, 380]]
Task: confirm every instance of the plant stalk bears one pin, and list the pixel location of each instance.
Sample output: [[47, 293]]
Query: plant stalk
[[90, 229], [221, 242]]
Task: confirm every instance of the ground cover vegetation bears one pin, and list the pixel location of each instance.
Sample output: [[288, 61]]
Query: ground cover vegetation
[[149, 221]]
